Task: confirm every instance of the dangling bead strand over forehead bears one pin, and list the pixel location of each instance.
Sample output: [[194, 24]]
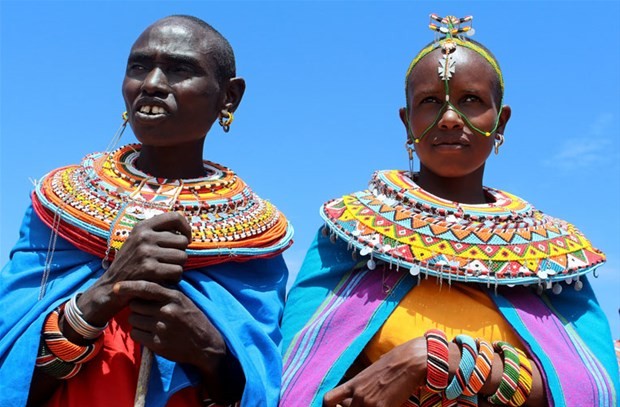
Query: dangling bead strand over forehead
[[450, 34]]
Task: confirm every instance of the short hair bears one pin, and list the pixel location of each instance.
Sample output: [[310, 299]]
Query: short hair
[[221, 50]]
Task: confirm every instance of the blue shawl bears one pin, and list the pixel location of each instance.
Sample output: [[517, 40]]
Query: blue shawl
[[244, 301]]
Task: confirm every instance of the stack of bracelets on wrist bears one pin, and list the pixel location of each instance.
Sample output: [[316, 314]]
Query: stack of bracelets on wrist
[[473, 371], [75, 318], [59, 357]]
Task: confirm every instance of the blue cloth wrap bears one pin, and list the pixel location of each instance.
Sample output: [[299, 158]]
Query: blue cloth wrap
[[244, 301]]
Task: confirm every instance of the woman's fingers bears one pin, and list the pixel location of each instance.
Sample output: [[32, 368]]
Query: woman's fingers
[[141, 289], [167, 239], [337, 396], [171, 222], [171, 256]]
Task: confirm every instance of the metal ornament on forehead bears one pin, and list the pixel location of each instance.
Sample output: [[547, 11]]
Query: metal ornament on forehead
[[450, 27]]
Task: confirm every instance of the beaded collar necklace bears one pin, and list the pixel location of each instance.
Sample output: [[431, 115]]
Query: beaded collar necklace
[[506, 242], [96, 204]]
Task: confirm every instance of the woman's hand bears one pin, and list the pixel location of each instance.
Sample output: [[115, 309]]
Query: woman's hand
[[166, 321], [387, 382], [154, 251], [171, 325]]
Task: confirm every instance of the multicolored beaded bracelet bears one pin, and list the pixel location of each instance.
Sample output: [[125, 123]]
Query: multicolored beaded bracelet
[[429, 398], [437, 360], [466, 366], [524, 385], [484, 363], [413, 401], [53, 366], [60, 346], [510, 377]]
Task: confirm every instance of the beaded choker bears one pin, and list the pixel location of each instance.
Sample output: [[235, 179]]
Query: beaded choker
[[96, 204], [504, 242]]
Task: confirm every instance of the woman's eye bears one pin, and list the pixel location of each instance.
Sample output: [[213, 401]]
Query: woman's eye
[[430, 99], [183, 69], [472, 98], [135, 67]]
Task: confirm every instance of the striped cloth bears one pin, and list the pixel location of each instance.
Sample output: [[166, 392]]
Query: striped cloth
[[332, 312]]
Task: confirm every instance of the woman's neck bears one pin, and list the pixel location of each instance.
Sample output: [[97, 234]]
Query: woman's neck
[[172, 162], [467, 189]]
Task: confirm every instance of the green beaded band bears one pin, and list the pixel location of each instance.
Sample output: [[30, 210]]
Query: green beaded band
[[525, 381], [510, 377]]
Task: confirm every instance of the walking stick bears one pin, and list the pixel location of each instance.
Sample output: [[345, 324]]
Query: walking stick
[[143, 377]]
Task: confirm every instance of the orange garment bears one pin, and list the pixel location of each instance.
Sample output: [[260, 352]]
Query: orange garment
[[456, 309], [110, 378]]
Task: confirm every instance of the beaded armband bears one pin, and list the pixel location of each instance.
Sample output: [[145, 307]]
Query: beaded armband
[[524, 385], [482, 368], [58, 356], [53, 366], [510, 377], [466, 366], [437, 360]]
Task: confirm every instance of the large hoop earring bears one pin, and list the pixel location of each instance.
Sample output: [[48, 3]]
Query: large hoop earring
[[410, 147], [499, 140], [226, 118]]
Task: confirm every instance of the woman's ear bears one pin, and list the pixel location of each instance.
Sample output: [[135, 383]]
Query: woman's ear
[[503, 118], [234, 93], [402, 112]]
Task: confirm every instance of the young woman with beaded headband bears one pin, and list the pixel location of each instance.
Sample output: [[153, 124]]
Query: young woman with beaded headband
[[150, 248], [429, 288]]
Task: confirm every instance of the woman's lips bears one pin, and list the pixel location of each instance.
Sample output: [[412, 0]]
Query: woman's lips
[[150, 112], [150, 117], [450, 146], [451, 142]]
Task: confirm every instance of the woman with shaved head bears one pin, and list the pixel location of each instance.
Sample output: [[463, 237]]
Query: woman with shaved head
[[431, 289], [149, 248]]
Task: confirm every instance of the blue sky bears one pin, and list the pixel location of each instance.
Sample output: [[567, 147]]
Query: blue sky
[[320, 114]]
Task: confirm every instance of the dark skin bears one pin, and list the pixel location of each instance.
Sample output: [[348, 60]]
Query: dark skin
[[170, 67], [452, 158]]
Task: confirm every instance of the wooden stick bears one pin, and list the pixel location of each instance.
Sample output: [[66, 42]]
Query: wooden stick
[[143, 377]]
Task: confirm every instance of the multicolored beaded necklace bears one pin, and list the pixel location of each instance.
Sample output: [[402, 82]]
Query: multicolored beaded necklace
[[505, 242], [96, 204]]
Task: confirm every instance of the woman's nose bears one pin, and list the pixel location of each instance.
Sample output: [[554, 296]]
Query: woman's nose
[[156, 82], [450, 120]]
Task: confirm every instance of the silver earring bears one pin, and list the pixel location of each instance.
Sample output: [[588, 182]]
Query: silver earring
[[499, 140], [410, 147]]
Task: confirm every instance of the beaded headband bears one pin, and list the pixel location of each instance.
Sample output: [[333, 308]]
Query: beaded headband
[[453, 31]]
